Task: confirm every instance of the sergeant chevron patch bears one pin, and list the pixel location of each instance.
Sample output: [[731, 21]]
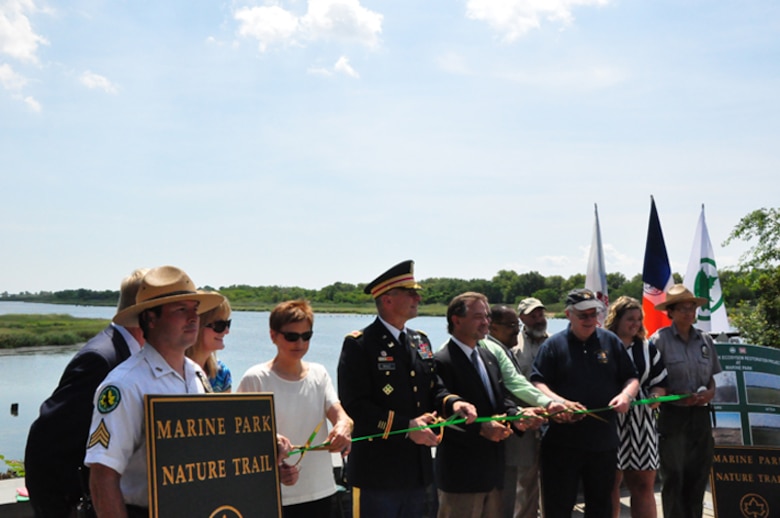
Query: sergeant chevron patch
[[100, 436]]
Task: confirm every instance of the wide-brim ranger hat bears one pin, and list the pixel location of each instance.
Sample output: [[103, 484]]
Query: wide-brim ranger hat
[[677, 294], [582, 300], [164, 285], [399, 276]]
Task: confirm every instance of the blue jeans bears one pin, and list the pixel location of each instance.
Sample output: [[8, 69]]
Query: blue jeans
[[380, 503]]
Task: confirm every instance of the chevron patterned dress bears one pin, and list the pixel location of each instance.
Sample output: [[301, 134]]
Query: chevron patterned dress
[[637, 428]]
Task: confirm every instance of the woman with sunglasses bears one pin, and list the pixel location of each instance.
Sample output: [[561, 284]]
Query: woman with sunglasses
[[637, 460], [214, 326], [304, 399]]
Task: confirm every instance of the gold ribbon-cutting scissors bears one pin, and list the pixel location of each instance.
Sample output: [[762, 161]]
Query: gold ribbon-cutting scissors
[[306, 447]]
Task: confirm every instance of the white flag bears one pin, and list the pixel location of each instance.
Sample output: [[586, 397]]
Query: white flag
[[596, 276], [702, 279]]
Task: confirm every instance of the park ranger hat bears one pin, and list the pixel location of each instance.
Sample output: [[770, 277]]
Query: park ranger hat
[[677, 294], [399, 276], [164, 285]]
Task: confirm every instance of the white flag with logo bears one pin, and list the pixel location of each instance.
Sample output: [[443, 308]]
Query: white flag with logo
[[596, 276], [702, 279]]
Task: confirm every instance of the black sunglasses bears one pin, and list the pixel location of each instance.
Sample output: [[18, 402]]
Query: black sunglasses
[[294, 337], [219, 326]]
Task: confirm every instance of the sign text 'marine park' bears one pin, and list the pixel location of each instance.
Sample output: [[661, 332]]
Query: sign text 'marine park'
[[745, 477], [212, 456]]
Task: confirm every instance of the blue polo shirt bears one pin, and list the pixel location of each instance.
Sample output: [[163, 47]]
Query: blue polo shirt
[[592, 373]]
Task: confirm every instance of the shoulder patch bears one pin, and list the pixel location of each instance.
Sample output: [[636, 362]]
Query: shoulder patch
[[108, 399], [356, 334]]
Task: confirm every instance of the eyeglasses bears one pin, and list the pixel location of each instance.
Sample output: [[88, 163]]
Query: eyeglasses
[[586, 316], [511, 325], [219, 326], [294, 337]]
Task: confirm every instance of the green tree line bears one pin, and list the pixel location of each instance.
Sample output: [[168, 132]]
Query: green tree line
[[507, 286], [751, 291]]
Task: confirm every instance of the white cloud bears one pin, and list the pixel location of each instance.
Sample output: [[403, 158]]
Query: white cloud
[[92, 81], [17, 38], [267, 24], [343, 66], [514, 18], [32, 103], [343, 20], [10, 79]]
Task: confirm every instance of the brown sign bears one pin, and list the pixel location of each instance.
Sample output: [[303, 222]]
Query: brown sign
[[745, 482], [212, 456]]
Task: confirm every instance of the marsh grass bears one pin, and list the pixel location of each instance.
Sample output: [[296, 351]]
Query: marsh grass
[[36, 330]]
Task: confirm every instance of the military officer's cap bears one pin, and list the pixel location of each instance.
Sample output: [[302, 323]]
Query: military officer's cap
[[399, 276]]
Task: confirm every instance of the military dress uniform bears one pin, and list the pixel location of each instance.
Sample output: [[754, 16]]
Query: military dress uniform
[[383, 384]]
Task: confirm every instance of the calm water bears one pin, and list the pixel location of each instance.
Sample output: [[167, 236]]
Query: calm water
[[30, 377]]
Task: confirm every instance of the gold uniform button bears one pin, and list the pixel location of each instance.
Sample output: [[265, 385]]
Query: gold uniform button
[[413, 374], [418, 404], [387, 373], [414, 389]]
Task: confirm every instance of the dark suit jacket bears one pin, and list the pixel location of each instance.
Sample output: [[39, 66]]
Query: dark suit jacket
[[57, 440], [466, 462], [382, 385]]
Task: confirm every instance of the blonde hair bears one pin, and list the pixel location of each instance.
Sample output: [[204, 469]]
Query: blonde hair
[[221, 312], [622, 306], [129, 288]]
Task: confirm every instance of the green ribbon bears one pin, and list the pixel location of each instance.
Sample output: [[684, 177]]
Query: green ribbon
[[454, 420]]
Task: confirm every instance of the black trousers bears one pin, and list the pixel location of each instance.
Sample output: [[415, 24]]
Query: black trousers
[[564, 468], [685, 447]]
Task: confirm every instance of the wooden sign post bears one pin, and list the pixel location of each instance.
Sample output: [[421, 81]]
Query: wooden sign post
[[212, 456]]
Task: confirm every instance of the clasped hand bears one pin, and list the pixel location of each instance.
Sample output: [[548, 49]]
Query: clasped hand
[[533, 419], [495, 431], [426, 436]]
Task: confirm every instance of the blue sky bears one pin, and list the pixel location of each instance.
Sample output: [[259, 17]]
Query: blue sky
[[307, 142]]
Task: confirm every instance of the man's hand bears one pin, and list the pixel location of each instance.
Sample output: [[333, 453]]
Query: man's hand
[[553, 407], [567, 416], [465, 410], [426, 437], [494, 430], [701, 397], [533, 421], [288, 475]]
